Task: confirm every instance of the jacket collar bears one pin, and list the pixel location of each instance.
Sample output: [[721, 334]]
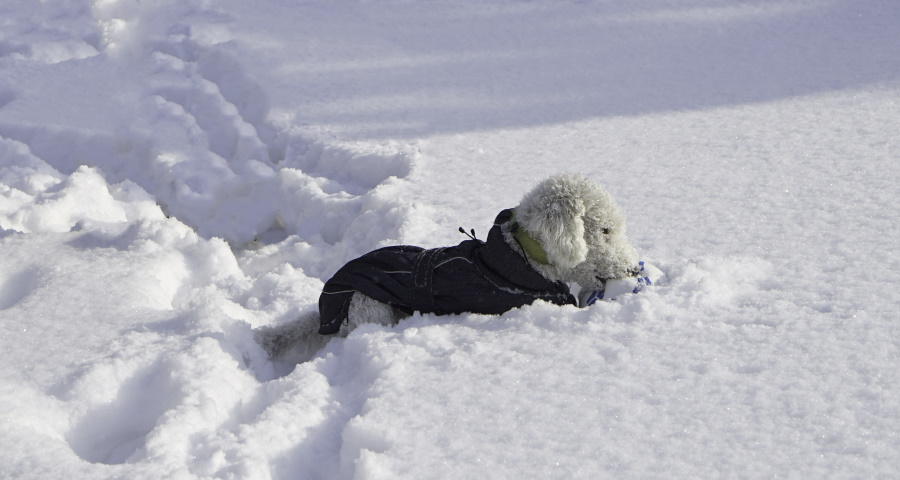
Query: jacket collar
[[529, 245]]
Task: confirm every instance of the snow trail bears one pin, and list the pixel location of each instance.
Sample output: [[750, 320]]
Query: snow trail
[[198, 137]]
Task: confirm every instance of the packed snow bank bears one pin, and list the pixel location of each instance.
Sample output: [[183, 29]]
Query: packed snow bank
[[186, 121], [175, 174]]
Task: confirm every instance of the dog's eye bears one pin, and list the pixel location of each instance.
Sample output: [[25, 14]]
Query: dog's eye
[[606, 231]]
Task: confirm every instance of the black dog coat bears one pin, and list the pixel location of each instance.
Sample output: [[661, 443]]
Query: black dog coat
[[474, 276]]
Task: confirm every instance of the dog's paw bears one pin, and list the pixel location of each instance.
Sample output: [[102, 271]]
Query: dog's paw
[[645, 274]]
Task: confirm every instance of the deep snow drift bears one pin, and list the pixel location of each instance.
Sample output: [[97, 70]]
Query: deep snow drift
[[174, 174]]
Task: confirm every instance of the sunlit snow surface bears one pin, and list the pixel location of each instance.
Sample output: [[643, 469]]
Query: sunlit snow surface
[[174, 174]]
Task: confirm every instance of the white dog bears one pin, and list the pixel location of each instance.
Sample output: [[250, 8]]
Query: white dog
[[567, 230]]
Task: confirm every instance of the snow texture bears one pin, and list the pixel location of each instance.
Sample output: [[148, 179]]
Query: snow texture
[[177, 174]]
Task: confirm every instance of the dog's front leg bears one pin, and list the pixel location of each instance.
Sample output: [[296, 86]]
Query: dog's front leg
[[365, 309]]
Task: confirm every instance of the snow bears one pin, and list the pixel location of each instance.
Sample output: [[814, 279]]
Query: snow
[[174, 174]]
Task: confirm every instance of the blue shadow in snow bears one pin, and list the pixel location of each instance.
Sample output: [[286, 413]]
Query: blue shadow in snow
[[521, 67]]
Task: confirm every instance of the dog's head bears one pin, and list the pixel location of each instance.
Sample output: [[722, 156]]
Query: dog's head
[[580, 229]]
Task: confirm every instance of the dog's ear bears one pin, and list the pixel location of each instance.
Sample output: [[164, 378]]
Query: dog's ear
[[557, 225]]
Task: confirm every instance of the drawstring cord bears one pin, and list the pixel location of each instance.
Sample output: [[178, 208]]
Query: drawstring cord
[[472, 235]]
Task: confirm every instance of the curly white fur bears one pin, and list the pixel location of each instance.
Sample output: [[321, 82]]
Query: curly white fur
[[580, 228], [552, 214], [365, 309]]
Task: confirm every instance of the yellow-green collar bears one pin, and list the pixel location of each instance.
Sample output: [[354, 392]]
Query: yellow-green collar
[[529, 245]]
